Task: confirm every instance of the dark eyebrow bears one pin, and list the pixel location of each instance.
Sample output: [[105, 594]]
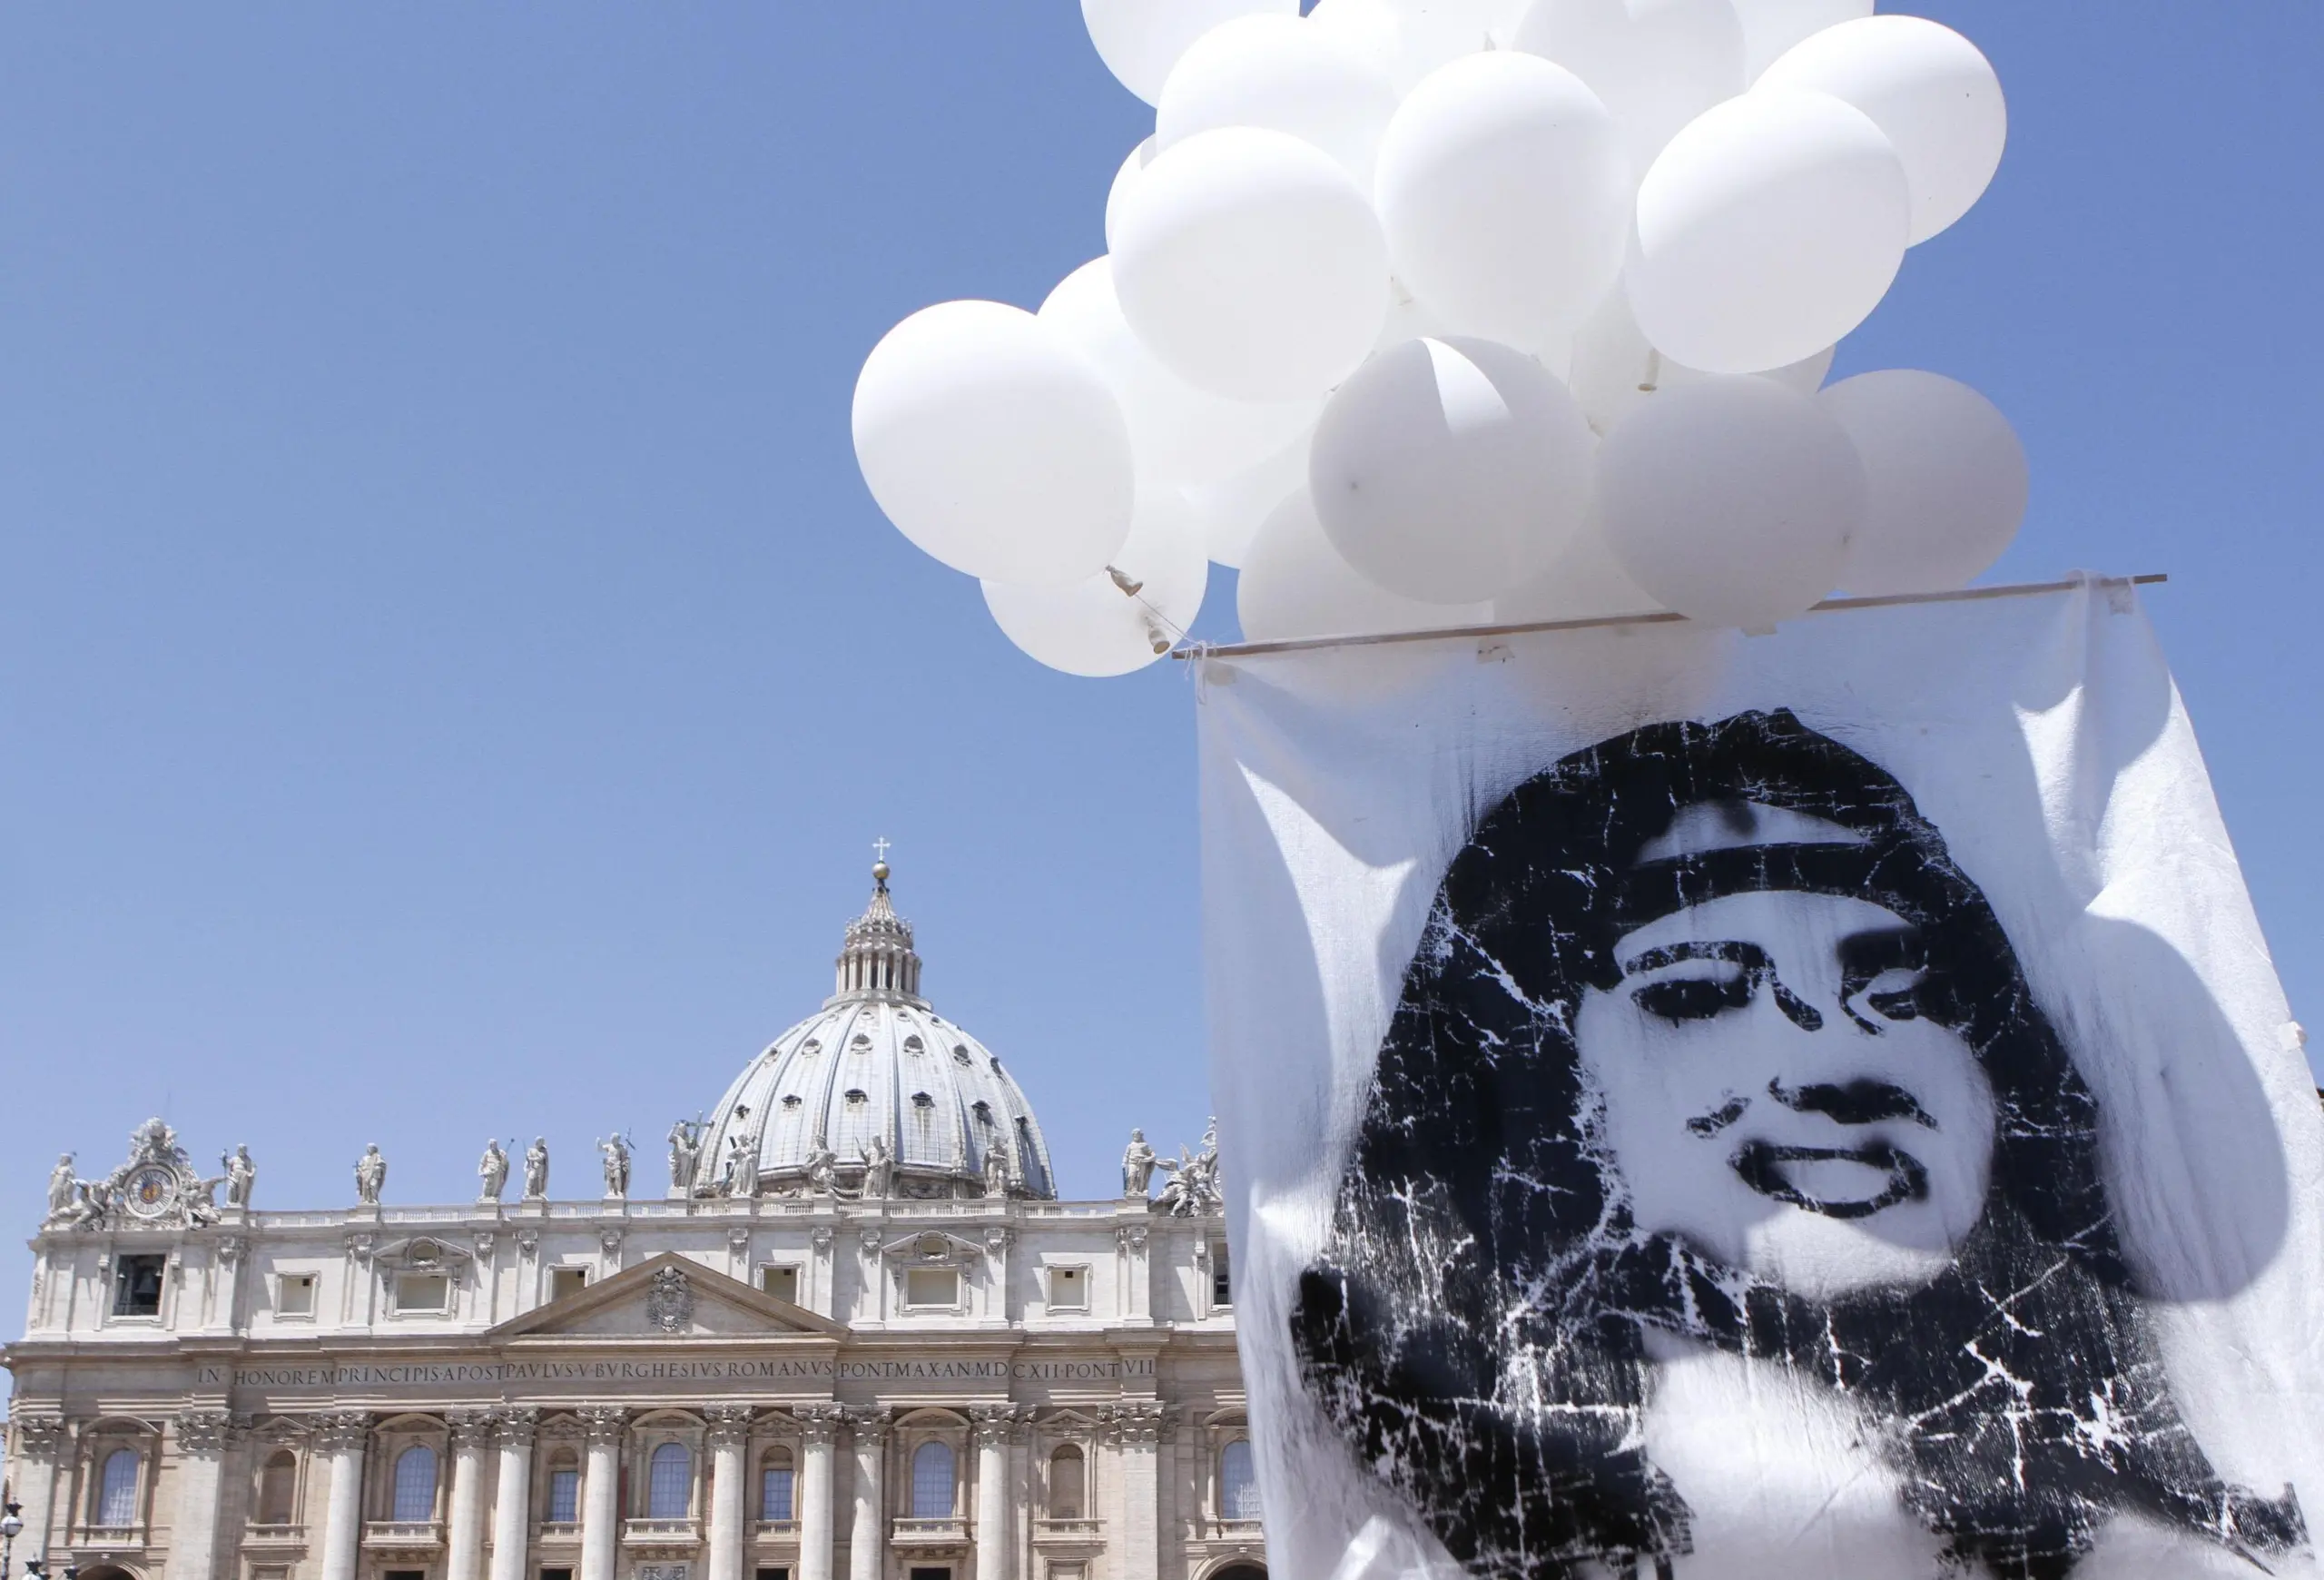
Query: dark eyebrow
[[1864, 955], [1736, 951]]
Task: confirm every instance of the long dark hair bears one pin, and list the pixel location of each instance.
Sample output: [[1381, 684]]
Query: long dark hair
[[1476, 1325]]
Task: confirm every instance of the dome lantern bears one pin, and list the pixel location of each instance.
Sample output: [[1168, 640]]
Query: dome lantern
[[876, 960]]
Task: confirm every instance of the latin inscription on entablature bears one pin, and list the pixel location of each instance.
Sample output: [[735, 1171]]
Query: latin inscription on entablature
[[551, 1373]]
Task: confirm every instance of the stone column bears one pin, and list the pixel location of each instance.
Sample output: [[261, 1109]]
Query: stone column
[[341, 1436], [601, 1492], [819, 1423], [1137, 1428], [996, 1425], [464, 1541], [38, 1438], [193, 1534], [1137, 1279], [512, 1502], [867, 1540], [729, 1436]]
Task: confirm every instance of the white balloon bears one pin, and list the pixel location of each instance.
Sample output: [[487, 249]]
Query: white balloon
[[1732, 501], [1451, 470], [1125, 179], [1947, 478], [1657, 64], [994, 445], [1179, 435], [1773, 27], [1584, 583], [1294, 587], [1615, 368], [1141, 40], [1505, 197], [1232, 509], [1251, 265], [1408, 39], [1111, 624], [1769, 228], [1932, 91], [1279, 72]]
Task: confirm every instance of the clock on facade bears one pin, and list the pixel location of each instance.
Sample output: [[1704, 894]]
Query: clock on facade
[[150, 1192]]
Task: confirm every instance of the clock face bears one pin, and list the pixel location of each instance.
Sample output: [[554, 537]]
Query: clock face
[[150, 1191]]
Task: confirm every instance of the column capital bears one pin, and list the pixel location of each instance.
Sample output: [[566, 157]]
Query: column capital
[[337, 1431], [603, 1423], [818, 1422], [514, 1425], [730, 1424], [1137, 1421], [1000, 1425], [38, 1437], [471, 1428], [873, 1424], [204, 1433]]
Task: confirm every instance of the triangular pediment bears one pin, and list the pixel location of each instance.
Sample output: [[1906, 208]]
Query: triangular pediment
[[668, 1297]]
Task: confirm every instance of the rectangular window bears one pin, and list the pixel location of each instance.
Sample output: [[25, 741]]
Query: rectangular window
[[294, 1295], [565, 1282], [556, 1575], [1222, 1280], [405, 1575], [920, 1572], [779, 1572], [564, 1498], [418, 1293], [137, 1285], [782, 1282], [931, 1287], [777, 1484], [1069, 1289]]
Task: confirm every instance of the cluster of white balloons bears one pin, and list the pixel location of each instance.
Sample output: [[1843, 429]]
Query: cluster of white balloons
[[1428, 313]]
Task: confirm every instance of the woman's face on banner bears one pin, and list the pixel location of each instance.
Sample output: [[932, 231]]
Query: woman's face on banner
[[1771, 1094]]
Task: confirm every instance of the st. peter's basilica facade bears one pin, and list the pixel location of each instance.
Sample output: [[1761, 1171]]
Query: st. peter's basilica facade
[[857, 1335]]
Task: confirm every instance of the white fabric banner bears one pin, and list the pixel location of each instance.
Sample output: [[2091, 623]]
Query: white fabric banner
[[1816, 1105]]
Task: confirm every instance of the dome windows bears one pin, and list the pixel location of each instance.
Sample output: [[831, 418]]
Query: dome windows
[[915, 1046], [922, 1100], [792, 1101], [982, 1110], [857, 1095], [959, 1055]]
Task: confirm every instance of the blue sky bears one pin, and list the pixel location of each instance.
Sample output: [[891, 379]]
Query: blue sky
[[451, 673]]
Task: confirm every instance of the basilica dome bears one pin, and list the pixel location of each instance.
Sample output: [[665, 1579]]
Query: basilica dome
[[875, 1092]]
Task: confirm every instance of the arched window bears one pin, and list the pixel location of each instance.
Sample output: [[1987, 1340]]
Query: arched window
[[669, 1483], [932, 1482], [415, 1494], [564, 1488], [777, 1482], [278, 1485], [1238, 1484], [1065, 1484], [117, 1490]]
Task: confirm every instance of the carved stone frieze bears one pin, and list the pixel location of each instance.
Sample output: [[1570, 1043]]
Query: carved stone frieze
[[873, 1424], [38, 1437], [1000, 1425], [603, 1423], [529, 1243], [1132, 1237], [514, 1425], [669, 1304], [1136, 1421]]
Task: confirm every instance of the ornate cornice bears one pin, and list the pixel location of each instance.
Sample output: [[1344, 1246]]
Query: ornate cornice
[[514, 1426], [341, 1431], [204, 1433]]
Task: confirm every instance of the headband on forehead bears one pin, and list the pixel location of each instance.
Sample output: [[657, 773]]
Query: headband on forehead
[[1654, 890]]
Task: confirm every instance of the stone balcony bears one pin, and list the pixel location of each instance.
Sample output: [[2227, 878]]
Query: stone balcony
[[111, 1538], [928, 1535], [776, 1532], [266, 1535], [683, 1532], [1075, 1532], [403, 1535]]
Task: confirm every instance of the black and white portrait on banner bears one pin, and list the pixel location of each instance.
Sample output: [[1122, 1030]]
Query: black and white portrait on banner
[[1729, 1185], [1710, 1045]]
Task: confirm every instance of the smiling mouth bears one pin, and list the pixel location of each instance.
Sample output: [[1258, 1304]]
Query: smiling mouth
[[1836, 1182]]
